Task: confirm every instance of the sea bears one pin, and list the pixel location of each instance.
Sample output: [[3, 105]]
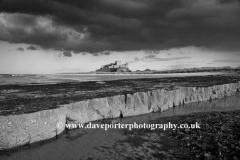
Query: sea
[[33, 79]]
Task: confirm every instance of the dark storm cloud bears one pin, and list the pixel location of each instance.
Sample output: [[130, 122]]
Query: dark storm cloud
[[20, 49], [113, 25], [31, 48], [152, 52], [106, 53], [95, 54], [227, 1], [151, 56], [67, 54]]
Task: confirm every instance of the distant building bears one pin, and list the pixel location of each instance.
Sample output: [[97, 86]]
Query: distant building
[[117, 64], [114, 67]]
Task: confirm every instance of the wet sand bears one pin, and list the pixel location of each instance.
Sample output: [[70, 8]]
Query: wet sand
[[19, 99], [11, 79]]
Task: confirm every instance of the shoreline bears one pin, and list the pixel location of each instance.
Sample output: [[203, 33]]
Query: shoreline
[[21, 129], [129, 73], [184, 146], [45, 79], [138, 138], [20, 99]]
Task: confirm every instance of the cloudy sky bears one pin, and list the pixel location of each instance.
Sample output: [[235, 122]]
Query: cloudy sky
[[52, 36]]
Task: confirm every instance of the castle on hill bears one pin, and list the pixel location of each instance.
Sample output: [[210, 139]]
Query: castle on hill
[[114, 67], [117, 64]]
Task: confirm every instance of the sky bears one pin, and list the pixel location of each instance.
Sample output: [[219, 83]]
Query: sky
[[54, 36]]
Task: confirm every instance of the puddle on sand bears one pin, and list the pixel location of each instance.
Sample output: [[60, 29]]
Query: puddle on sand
[[122, 143]]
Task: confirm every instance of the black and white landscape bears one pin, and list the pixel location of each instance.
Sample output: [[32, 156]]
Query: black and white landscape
[[119, 61]]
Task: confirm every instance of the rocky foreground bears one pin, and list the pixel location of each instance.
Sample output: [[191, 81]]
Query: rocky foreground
[[218, 137], [30, 113]]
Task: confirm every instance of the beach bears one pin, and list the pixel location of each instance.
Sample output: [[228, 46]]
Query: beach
[[38, 79], [144, 143], [29, 113]]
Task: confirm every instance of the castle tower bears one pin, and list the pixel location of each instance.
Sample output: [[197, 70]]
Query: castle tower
[[118, 63]]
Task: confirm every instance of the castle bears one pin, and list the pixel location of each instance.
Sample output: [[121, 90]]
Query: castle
[[117, 64], [114, 67]]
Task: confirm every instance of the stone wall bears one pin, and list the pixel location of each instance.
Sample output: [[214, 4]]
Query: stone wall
[[18, 130]]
